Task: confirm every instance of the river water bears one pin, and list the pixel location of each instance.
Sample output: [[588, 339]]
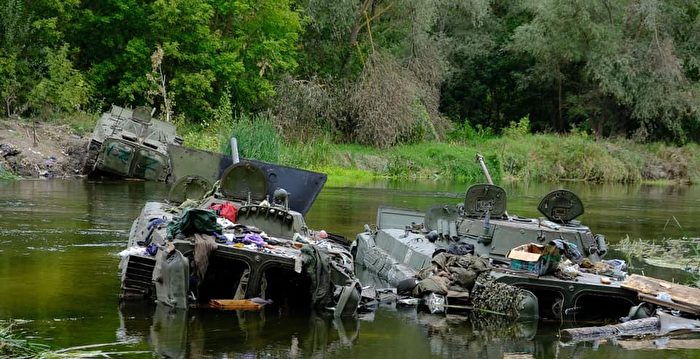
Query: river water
[[59, 281]]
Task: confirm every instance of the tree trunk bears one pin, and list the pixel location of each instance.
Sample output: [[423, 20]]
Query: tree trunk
[[355, 31], [560, 123]]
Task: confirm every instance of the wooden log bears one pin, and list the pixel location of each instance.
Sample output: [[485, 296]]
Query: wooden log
[[632, 327], [672, 343]]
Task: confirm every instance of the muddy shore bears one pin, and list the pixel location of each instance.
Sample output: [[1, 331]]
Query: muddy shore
[[41, 150]]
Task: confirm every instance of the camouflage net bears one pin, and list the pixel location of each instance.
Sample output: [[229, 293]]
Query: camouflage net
[[492, 296], [467, 279]]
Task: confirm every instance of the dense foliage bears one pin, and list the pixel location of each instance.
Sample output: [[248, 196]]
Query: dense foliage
[[377, 72]]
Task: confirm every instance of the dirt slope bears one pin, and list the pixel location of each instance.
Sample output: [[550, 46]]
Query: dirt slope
[[57, 152]]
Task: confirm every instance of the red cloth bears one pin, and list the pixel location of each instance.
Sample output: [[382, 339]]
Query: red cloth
[[226, 210]]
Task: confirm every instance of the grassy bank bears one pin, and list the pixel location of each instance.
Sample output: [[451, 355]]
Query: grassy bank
[[515, 156], [6, 175]]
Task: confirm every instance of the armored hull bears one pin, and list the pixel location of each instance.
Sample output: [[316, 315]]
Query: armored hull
[[129, 143], [236, 243], [405, 241]]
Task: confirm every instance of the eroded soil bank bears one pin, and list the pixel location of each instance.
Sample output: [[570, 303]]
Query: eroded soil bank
[[41, 149]]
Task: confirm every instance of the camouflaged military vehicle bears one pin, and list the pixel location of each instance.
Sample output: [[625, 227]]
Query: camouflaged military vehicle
[[130, 143], [404, 242]]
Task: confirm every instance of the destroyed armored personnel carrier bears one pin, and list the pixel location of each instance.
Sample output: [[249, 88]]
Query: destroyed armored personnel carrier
[[234, 233], [404, 242], [130, 143]]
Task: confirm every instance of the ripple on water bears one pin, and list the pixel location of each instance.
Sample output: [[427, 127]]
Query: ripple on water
[[103, 231], [119, 244], [47, 249]]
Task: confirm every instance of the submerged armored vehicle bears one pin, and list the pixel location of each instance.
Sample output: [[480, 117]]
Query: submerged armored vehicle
[[130, 143], [255, 246], [405, 241]]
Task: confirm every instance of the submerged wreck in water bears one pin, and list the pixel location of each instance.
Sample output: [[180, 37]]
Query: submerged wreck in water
[[241, 245], [477, 253]]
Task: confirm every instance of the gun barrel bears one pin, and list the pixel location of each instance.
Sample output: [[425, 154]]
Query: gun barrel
[[480, 158]]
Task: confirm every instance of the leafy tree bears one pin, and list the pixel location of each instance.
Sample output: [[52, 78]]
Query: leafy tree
[[484, 83], [31, 33], [208, 46], [10, 85], [617, 53], [63, 89]]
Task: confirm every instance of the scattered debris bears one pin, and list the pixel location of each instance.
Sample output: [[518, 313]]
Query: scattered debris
[[671, 295]]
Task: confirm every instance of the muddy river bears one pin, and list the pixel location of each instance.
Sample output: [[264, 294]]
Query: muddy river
[[59, 281]]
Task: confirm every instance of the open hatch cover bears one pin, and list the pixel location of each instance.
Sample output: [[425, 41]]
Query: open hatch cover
[[561, 206], [482, 198], [303, 186]]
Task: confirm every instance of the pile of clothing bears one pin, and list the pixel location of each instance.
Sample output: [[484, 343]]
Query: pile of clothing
[[462, 279]]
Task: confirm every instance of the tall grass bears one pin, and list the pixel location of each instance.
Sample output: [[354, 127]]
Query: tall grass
[[313, 154], [439, 161], [6, 175], [256, 135], [547, 157], [13, 346], [514, 156], [525, 157], [257, 138]]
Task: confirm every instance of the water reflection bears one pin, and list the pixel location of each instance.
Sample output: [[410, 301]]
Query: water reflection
[[58, 266], [679, 346], [174, 333], [478, 336]]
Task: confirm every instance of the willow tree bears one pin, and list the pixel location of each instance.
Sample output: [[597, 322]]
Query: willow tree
[[630, 64], [376, 63]]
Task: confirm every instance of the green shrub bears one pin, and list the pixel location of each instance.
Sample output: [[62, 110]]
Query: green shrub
[[465, 133], [439, 161], [519, 129], [82, 122], [204, 136], [63, 89]]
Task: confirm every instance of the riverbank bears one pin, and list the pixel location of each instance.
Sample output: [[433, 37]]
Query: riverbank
[[35, 150], [530, 158], [59, 152]]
